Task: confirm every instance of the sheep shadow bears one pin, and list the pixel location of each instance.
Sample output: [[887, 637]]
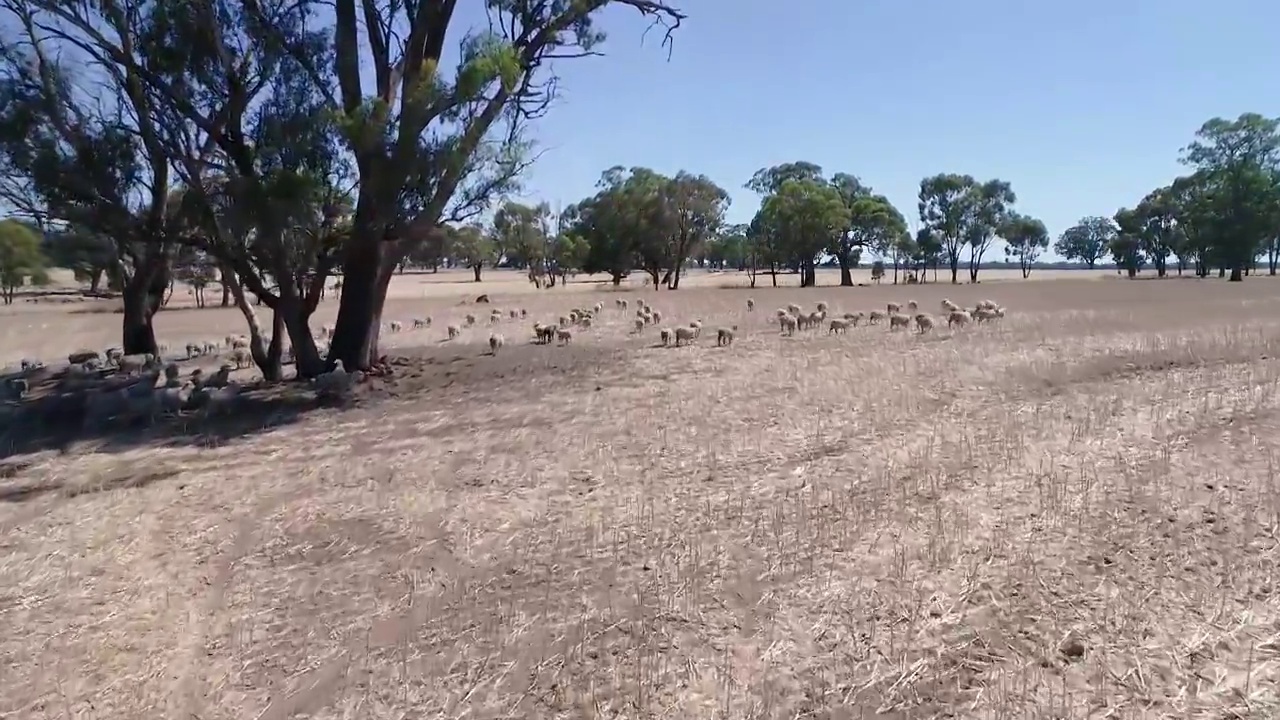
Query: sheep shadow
[[53, 419]]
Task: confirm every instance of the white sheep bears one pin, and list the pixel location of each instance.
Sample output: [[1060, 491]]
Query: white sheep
[[640, 324], [912, 305], [787, 324], [494, 319], [958, 317], [780, 312], [470, 320], [655, 317], [725, 336], [898, 320], [523, 313], [948, 306], [685, 335], [854, 318], [496, 341], [697, 328], [241, 357], [239, 342], [988, 304], [924, 323], [837, 326], [793, 309], [751, 305], [585, 322], [665, 334], [984, 315], [802, 320], [454, 331], [893, 308], [599, 307], [564, 335], [816, 317], [395, 326], [564, 321], [421, 323], [875, 318], [514, 314], [822, 307]]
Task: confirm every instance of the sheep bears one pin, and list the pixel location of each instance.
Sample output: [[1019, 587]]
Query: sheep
[[838, 325], [620, 304], [958, 317], [822, 307], [854, 318], [656, 317], [496, 341], [697, 328], [494, 319], [875, 318], [395, 326], [336, 382], [523, 313], [685, 335], [194, 349], [988, 304], [640, 322], [898, 320], [82, 356], [239, 342], [665, 334], [114, 354], [130, 364], [564, 321], [816, 317], [893, 308], [543, 334], [793, 309], [983, 315], [802, 320], [599, 307], [421, 323], [454, 331], [999, 311], [912, 305], [241, 357], [725, 336], [585, 322], [751, 305], [787, 324], [564, 335], [780, 312], [210, 347], [948, 306], [924, 323], [470, 319], [514, 314]]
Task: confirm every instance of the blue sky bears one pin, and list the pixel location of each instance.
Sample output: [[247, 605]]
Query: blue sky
[[1083, 106]]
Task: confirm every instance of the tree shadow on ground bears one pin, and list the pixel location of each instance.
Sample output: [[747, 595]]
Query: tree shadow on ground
[[51, 418]]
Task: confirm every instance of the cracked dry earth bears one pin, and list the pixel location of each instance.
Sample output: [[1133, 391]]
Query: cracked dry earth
[[1072, 514]]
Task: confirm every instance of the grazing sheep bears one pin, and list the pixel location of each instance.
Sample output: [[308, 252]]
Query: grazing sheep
[[82, 356], [988, 304], [194, 349], [875, 317], [585, 322], [130, 364], [780, 312], [494, 319], [838, 325], [564, 335], [816, 317], [564, 321], [239, 342], [948, 306], [454, 331], [114, 354], [599, 307], [241, 357], [793, 309], [697, 328], [751, 305], [421, 323], [620, 304], [999, 311], [524, 313], [893, 308], [958, 317], [514, 314], [656, 317], [854, 318], [984, 315], [395, 326], [685, 335], [924, 323], [912, 305], [640, 324], [210, 347], [725, 336], [665, 334], [898, 320], [787, 324], [544, 334], [335, 383], [802, 320], [496, 341], [470, 320], [822, 307]]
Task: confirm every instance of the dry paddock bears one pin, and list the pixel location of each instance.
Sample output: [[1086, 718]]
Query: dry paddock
[[1070, 514]]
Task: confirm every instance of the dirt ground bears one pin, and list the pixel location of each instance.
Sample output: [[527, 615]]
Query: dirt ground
[[1069, 514]]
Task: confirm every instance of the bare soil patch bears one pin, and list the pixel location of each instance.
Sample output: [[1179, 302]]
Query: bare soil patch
[[1072, 513]]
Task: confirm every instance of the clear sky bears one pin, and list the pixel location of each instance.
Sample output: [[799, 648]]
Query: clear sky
[[1083, 106]]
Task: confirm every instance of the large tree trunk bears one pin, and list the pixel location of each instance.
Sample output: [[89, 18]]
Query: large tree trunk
[[271, 367], [1133, 272], [675, 279], [142, 297], [1237, 273], [955, 269], [846, 277], [617, 279], [356, 331], [476, 269]]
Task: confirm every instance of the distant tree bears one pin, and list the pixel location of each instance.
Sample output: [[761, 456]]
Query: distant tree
[[947, 212], [1126, 246], [1087, 241], [1159, 233], [805, 216], [21, 261], [1025, 238], [472, 248], [697, 206], [989, 206], [877, 271]]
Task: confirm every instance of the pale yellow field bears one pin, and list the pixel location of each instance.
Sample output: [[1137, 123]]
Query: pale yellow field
[[1071, 513]]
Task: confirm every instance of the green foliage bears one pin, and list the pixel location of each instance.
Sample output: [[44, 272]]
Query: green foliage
[[804, 216], [21, 261], [471, 247], [1126, 246], [1025, 238], [946, 210], [1086, 241]]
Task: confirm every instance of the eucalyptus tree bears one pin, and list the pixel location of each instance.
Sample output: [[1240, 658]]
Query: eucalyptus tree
[[806, 216], [1025, 238], [1087, 241], [946, 209]]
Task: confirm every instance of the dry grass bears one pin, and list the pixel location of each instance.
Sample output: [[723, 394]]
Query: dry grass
[[1070, 514]]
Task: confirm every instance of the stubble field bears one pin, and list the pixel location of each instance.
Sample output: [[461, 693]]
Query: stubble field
[[1069, 514]]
